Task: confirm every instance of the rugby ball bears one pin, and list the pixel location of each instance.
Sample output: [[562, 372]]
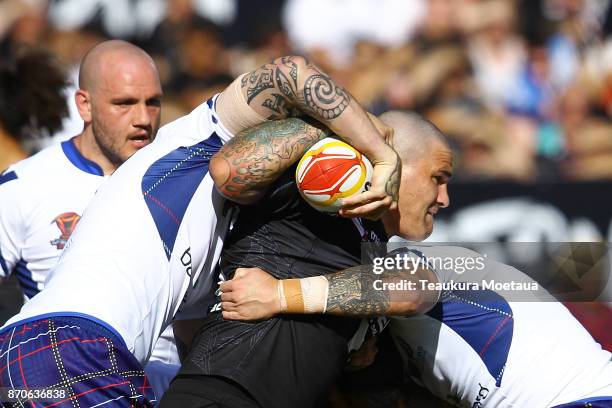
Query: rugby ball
[[331, 170]]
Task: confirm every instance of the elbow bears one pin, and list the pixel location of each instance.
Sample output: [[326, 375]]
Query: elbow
[[220, 171], [295, 66], [298, 61]]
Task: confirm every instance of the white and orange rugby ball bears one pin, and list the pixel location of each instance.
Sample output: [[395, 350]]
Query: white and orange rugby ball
[[331, 170]]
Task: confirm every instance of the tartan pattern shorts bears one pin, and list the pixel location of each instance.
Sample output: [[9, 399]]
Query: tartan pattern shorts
[[88, 361]]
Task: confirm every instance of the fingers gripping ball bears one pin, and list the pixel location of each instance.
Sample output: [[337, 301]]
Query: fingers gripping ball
[[331, 170]]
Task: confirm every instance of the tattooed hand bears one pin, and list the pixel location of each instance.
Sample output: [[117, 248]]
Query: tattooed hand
[[382, 195]]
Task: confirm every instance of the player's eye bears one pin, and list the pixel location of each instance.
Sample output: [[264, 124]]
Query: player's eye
[[124, 102], [439, 180], [156, 102]]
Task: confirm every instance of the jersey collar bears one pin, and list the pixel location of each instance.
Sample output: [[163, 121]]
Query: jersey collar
[[76, 158]]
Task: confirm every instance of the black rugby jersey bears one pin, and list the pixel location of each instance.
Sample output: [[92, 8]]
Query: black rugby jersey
[[288, 361]]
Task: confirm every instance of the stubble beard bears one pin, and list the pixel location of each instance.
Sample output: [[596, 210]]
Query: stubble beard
[[107, 150]]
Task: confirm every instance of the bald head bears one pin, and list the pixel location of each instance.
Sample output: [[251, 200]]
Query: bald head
[[427, 165], [119, 100], [104, 59], [413, 134]]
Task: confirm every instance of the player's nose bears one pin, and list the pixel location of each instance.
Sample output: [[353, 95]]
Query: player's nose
[[443, 199], [142, 116]]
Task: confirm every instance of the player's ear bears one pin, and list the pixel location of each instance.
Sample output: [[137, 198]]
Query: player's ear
[[83, 103]]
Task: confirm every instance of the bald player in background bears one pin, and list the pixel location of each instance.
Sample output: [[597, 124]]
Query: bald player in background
[[42, 198], [119, 99]]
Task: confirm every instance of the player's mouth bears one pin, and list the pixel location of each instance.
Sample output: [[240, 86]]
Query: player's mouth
[[432, 211], [140, 140]]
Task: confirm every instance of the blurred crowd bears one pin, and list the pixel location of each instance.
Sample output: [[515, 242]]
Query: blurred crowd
[[522, 87]]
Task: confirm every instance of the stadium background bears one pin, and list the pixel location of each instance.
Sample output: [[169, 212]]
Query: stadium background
[[523, 88]]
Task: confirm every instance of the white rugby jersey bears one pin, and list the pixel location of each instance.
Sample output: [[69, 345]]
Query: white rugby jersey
[[42, 199], [476, 349], [149, 240]]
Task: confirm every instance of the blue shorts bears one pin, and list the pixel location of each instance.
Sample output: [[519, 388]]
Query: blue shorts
[[596, 402], [160, 376], [82, 359]]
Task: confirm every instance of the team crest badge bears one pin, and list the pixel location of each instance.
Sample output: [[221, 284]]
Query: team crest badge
[[66, 223]]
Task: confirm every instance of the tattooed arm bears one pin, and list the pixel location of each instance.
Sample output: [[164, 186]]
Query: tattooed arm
[[358, 292], [247, 164], [253, 294], [291, 86]]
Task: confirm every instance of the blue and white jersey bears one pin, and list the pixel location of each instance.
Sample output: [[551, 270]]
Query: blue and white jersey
[[477, 349], [149, 240], [42, 199]]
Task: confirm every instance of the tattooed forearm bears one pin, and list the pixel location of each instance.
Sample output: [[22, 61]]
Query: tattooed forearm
[[358, 292], [351, 293], [300, 84], [256, 157]]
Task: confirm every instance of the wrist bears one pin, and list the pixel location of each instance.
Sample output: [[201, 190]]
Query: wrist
[[303, 296], [282, 301], [384, 154]]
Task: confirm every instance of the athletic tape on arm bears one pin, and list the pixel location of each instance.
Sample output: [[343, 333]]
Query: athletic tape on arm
[[306, 295], [234, 111]]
